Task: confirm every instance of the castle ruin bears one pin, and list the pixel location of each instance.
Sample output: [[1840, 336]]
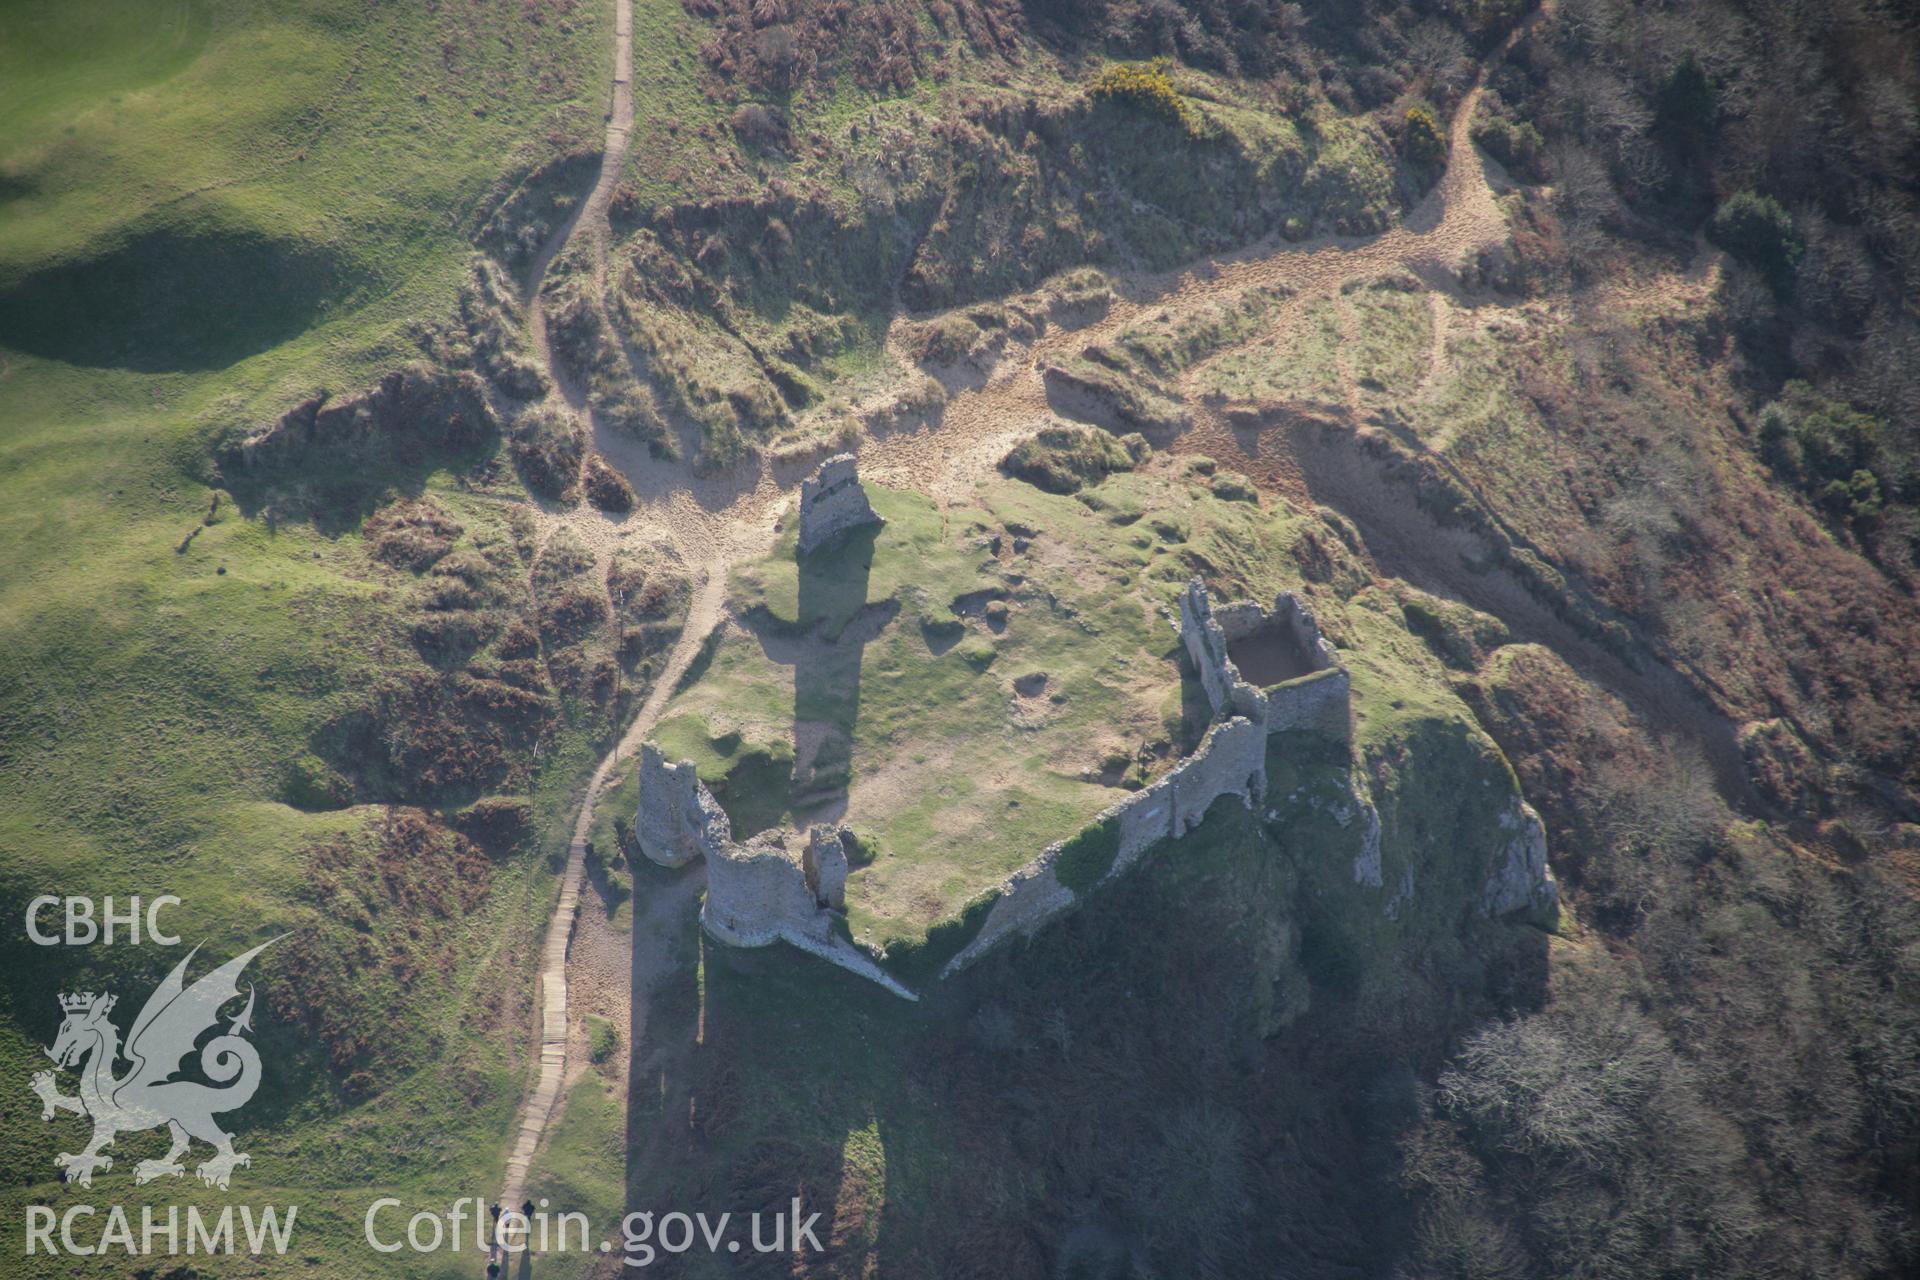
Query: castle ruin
[[758, 892], [832, 502], [762, 891], [1312, 692], [1297, 680]]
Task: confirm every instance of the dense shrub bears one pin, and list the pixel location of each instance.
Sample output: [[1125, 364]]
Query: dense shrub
[[1517, 146], [1686, 99], [760, 126], [547, 444], [1758, 231], [1144, 87], [569, 614], [410, 535], [495, 823], [607, 489], [1846, 460], [1088, 855], [920, 962], [1421, 139]]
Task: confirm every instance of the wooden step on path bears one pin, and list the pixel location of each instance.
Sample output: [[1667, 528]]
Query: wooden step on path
[[538, 1108]]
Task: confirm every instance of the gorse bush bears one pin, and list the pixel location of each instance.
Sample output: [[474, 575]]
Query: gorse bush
[[548, 443], [1517, 146], [1145, 87], [1421, 140], [1847, 461]]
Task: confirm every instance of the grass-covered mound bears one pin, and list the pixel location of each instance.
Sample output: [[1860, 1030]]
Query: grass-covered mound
[[1067, 459]]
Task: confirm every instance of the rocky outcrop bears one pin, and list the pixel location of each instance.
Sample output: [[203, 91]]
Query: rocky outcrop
[[832, 502], [1521, 882]]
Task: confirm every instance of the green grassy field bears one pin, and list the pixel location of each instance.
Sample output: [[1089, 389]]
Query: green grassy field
[[259, 170], [207, 210]]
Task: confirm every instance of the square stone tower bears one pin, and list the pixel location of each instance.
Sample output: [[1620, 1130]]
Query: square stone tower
[[832, 501]]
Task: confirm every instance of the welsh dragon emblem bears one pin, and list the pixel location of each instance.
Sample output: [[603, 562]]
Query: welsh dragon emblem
[[168, 1029]]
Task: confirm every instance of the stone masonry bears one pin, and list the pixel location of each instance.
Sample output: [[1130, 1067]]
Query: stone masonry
[[825, 865], [1321, 699], [678, 819], [832, 501], [758, 892], [1232, 760], [761, 892]]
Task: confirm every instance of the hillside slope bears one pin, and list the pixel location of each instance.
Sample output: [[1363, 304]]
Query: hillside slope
[[391, 437]]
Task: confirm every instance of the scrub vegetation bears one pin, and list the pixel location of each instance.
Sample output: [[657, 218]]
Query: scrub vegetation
[[326, 586]]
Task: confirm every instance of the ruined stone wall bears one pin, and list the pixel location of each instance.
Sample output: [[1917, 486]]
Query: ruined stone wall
[[758, 893], [1290, 613], [678, 819], [832, 501], [1322, 701], [1206, 645], [1231, 760], [825, 865]]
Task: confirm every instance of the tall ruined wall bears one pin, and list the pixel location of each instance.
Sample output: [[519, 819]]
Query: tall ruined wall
[[678, 819], [1320, 700], [1206, 645], [832, 501], [1230, 761], [1290, 613], [758, 893], [825, 864]]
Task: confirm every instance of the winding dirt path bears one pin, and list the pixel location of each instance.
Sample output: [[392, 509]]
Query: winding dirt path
[[537, 1108], [715, 522]]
